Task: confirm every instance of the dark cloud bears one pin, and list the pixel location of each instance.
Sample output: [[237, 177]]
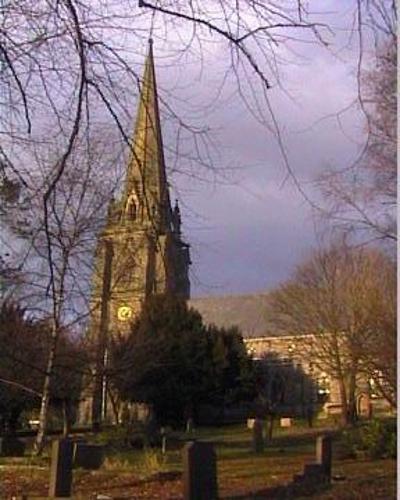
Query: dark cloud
[[248, 225]]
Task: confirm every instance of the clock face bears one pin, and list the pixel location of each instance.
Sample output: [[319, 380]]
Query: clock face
[[124, 313]]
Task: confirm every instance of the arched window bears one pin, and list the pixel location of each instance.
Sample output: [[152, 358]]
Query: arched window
[[131, 206]]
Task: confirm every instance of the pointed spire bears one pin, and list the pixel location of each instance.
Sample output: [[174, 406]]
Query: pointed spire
[[176, 218], [146, 176]]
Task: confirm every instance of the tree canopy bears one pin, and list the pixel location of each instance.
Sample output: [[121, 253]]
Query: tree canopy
[[345, 297], [23, 355], [174, 363]]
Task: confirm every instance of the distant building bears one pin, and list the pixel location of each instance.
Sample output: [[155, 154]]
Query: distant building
[[140, 250], [252, 315]]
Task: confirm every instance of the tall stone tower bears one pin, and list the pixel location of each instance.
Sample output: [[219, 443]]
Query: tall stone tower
[[140, 250]]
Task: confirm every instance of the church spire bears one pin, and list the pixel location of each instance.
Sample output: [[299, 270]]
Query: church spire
[[146, 183]]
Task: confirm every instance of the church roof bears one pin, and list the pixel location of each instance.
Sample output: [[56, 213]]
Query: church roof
[[146, 171], [250, 313]]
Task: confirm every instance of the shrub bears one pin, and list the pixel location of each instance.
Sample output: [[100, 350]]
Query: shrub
[[376, 439], [350, 442]]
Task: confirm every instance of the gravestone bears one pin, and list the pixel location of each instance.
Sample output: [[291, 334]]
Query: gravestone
[[88, 456], [250, 423], [61, 468], [286, 422], [199, 472], [163, 444], [258, 436], [323, 454], [189, 425], [10, 446], [314, 473]]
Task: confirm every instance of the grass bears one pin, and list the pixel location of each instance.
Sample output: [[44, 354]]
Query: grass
[[242, 474]]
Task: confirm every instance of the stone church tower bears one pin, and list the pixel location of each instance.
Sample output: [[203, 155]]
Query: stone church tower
[[140, 251]]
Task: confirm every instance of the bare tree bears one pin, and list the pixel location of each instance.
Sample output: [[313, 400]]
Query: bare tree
[[379, 349], [63, 62], [338, 296], [361, 198], [69, 66], [63, 71], [56, 243]]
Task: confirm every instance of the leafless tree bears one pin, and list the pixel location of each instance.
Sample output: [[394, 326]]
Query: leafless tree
[[340, 296], [66, 61], [361, 198], [68, 65], [56, 242]]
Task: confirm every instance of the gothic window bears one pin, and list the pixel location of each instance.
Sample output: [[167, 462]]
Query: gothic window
[[131, 206]]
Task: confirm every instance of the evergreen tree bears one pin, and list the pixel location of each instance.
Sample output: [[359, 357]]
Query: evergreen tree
[[174, 363]]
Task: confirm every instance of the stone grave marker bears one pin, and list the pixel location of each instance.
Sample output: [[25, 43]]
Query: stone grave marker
[[314, 473], [61, 468], [250, 423], [199, 471], [10, 446], [88, 456], [286, 422], [258, 435], [323, 452]]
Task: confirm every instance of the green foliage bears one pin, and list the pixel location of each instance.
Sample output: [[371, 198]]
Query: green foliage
[[350, 442], [24, 344], [21, 360], [376, 439], [173, 362]]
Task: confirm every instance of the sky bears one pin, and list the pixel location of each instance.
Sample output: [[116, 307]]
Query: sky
[[248, 228], [247, 223]]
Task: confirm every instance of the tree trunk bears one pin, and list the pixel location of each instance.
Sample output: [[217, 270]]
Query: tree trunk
[[271, 426], [343, 401], [13, 422], [66, 418], [352, 403], [44, 405], [116, 406]]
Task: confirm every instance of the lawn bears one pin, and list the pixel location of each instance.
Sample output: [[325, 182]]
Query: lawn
[[242, 474]]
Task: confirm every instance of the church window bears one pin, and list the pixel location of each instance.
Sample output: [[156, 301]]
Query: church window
[[131, 206]]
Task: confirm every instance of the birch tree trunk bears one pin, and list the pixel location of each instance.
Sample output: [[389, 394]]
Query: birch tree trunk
[[44, 405]]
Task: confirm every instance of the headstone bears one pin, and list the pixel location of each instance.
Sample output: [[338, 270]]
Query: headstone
[[10, 446], [258, 436], [199, 472], [88, 456], [61, 468], [323, 453], [314, 473], [286, 422], [250, 423], [189, 425], [163, 444]]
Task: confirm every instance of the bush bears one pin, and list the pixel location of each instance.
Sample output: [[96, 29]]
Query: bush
[[123, 437], [350, 442], [376, 439]]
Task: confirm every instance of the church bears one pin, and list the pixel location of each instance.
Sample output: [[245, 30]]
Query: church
[[140, 250]]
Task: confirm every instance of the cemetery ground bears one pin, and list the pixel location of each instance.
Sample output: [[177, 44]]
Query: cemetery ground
[[242, 473]]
